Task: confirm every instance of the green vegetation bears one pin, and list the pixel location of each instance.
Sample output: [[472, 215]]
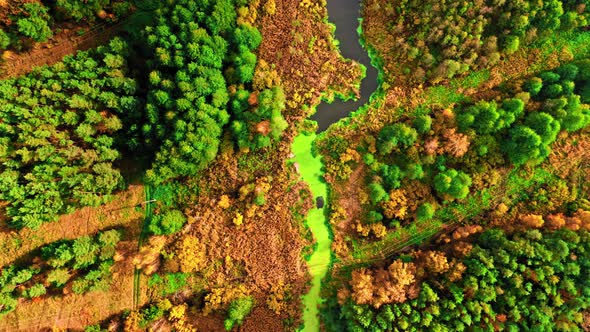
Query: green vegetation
[[524, 281], [57, 135], [238, 310], [83, 264], [34, 25], [90, 9], [21, 24], [455, 37], [195, 51]]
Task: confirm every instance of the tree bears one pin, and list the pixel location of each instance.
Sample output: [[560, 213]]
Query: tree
[[425, 212], [237, 312], [534, 86], [7, 303], [453, 183], [168, 223], [422, 123], [377, 193], [55, 159], [58, 277], [4, 40], [544, 125], [35, 26], [85, 251], [36, 290], [525, 145], [393, 135], [222, 18]]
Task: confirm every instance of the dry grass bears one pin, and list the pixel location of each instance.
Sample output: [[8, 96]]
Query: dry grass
[[74, 312], [120, 212]]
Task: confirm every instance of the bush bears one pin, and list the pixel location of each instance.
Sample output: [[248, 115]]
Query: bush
[[35, 26], [425, 212], [237, 312], [453, 183], [168, 223], [422, 123]]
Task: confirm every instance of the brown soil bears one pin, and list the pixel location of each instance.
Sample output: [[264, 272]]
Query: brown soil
[[120, 212], [347, 196], [75, 312], [69, 40]]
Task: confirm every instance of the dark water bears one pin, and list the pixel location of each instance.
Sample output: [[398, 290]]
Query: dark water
[[345, 14]]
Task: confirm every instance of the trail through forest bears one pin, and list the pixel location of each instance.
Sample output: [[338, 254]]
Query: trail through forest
[[61, 45]]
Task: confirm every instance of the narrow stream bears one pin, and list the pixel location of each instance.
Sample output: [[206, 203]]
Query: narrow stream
[[345, 15]]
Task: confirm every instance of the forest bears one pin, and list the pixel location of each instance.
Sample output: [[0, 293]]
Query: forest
[[172, 172], [533, 280]]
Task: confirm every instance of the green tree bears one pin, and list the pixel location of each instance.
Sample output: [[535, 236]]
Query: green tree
[[453, 183], [425, 212], [237, 312], [393, 135], [422, 123], [544, 125], [377, 193], [35, 26], [36, 290], [525, 145], [4, 40], [58, 277]]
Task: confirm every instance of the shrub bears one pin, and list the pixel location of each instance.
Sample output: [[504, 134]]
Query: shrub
[[36, 290], [453, 183], [422, 123], [237, 312], [425, 212]]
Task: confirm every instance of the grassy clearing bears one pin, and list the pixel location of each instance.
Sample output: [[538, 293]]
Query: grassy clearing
[[122, 211]]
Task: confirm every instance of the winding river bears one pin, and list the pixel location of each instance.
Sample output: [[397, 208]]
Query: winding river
[[345, 15]]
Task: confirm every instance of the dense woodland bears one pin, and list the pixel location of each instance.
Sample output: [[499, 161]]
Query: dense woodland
[[534, 281], [484, 142], [200, 72], [456, 37], [24, 22], [470, 139], [58, 132], [78, 266]]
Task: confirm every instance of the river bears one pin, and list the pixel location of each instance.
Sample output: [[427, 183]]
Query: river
[[345, 15]]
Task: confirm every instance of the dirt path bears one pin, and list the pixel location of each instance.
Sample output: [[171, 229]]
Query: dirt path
[[65, 43]]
